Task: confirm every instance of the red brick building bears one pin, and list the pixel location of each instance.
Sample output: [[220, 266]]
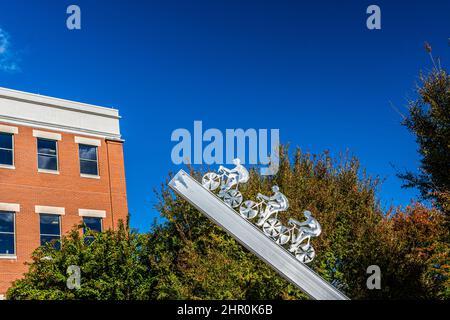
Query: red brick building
[[61, 163]]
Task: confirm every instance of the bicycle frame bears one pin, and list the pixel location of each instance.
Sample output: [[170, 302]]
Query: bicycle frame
[[261, 212], [297, 235], [224, 173]]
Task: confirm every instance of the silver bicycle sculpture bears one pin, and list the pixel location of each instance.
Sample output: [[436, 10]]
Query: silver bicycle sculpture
[[270, 226], [297, 235], [229, 181]]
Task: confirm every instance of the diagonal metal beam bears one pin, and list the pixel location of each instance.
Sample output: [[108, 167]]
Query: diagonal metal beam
[[253, 239]]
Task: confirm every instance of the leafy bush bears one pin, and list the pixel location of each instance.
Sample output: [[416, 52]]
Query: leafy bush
[[113, 266]]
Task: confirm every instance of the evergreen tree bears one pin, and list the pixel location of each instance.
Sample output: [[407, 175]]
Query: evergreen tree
[[429, 121]]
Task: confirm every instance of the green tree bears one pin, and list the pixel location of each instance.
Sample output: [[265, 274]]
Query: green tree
[[415, 255], [113, 266], [194, 259], [197, 260], [429, 121]]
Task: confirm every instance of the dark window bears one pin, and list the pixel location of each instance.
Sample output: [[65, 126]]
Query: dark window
[[93, 224], [88, 160], [51, 229], [47, 154], [7, 233], [6, 149]]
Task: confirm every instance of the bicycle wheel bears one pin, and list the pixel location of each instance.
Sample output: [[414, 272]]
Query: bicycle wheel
[[285, 235], [233, 198], [211, 181], [305, 254], [248, 209], [272, 227]]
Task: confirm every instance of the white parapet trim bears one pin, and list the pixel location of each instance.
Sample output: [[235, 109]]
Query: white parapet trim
[[47, 135], [48, 113], [50, 210], [10, 207], [92, 213], [90, 142], [9, 129], [253, 239]]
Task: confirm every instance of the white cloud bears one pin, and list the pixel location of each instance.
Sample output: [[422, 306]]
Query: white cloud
[[8, 58]]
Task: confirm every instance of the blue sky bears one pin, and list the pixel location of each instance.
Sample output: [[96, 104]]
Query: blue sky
[[312, 70]]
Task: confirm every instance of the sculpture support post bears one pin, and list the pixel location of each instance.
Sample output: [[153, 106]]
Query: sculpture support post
[[253, 239]]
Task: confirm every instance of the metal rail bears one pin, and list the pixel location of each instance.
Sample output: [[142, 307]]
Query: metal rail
[[253, 239]]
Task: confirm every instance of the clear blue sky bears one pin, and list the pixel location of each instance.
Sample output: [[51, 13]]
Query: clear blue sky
[[312, 70]]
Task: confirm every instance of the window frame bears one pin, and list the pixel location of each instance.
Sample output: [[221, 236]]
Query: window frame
[[88, 175], [14, 233], [2, 165], [47, 234], [43, 154]]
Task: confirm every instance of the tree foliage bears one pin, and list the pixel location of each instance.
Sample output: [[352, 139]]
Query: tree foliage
[[429, 121], [113, 267], [185, 256]]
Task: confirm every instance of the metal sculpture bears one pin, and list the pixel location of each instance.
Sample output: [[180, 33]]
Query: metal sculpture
[[242, 230], [229, 181], [297, 235]]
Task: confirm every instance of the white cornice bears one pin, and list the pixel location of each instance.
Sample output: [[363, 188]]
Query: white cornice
[[50, 113], [58, 103]]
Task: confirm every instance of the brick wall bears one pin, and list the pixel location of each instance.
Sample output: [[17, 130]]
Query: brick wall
[[25, 186]]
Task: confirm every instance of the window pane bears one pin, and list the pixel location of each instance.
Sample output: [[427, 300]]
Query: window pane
[[47, 162], [7, 222], [46, 147], [50, 225], [88, 167], [94, 224], [88, 152], [6, 141], [6, 157], [6, 243], [47, 239]]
